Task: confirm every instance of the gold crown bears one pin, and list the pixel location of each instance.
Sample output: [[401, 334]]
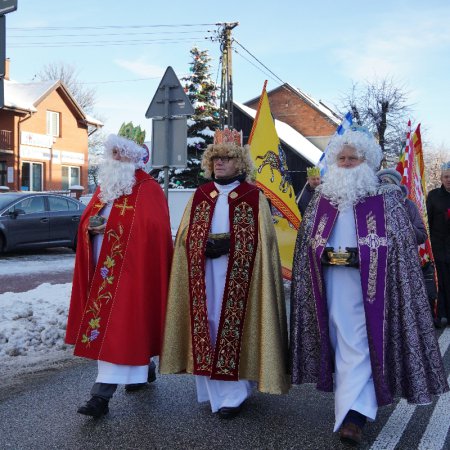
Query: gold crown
[[228, 136], [313, 172]]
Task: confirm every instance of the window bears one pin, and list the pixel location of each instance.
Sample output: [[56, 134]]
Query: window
[[31, 176], [31, 205], [53, 123], [61, 204], [70, 176], [2, 173], [58, 204]]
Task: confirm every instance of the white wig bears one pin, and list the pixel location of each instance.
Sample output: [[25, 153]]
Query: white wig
[[127, 148], [362, 140]]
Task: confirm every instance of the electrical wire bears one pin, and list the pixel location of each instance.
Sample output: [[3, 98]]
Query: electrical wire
[[103, 43], [254, 65], [102, 27], [256, 59]]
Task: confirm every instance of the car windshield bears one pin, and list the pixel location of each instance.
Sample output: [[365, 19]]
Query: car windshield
[[6, 199]]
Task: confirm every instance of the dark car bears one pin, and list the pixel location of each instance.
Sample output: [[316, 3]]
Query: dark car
[[38, 220]]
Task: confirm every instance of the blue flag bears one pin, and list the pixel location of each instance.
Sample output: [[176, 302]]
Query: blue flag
[[345, 124]]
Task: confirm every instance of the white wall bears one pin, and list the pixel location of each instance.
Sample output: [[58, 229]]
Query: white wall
[[178, 199]]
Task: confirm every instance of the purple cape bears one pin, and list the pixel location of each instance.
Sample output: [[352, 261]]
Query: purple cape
[[403, 349]]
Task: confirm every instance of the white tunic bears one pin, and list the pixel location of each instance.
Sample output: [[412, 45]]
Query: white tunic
[[219, 393], [354, 388], [108, 372]]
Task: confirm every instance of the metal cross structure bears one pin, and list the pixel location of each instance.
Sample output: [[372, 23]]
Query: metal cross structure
[[226, 82]]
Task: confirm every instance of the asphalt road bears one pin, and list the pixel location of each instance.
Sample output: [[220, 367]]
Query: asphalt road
[[38, 411], [26, 281], [42, 415]]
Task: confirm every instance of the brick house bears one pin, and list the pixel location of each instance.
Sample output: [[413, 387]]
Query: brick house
[[312, 118], [304, 127], [43, 137]]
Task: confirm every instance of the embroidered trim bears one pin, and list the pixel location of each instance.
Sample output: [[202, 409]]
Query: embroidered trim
[[228, 345], [198, 234], [106, 288], [319, 241], [373, 241]]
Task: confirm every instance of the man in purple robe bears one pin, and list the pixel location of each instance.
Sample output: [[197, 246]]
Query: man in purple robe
[[359, 309]]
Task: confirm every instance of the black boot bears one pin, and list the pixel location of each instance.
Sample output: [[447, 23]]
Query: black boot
[[150, 379], [95, 407]]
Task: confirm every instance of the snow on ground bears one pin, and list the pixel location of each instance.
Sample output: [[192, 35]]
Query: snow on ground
[[34, 322], [32, 330]]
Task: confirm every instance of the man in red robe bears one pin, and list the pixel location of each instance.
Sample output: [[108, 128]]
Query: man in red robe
[[121, 275]]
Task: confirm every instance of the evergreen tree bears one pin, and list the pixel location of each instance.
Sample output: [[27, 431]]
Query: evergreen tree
[[201, 90]]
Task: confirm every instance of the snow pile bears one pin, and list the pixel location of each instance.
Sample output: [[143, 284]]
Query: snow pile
[[33, 323]]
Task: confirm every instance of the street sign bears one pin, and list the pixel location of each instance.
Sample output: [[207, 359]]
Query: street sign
[[170, 98], [174, 152], [7, 6]]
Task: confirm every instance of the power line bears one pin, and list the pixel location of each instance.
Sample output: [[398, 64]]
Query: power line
[[254, 65], [102, 27], [119, 81], [256, 59], [103, 43], [106, 34]]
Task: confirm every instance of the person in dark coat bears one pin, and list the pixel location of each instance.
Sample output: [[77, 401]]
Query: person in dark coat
[[312, 181], [438, 209], [392, 176]]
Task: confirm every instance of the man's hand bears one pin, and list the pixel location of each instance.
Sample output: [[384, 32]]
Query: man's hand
[[97, 230]]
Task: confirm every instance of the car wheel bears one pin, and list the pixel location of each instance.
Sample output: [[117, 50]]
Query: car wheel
[[2, 243]]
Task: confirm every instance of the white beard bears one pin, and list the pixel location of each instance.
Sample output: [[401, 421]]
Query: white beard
[[345, 186], [116, 178]]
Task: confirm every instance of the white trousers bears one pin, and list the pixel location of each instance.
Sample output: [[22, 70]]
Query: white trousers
[[222, 393], [354, 388], [121, 374]]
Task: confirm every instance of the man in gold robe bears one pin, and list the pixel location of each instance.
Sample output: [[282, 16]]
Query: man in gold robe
[[226, 317]]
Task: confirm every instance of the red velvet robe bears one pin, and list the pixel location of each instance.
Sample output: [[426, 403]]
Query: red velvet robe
[[117, 308]]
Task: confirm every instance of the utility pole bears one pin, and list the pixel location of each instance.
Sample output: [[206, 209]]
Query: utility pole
[[226, 82]]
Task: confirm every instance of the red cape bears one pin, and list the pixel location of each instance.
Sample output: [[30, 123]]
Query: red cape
[[117, 308]]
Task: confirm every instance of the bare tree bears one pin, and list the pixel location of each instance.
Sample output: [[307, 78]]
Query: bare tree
[[85, 97], [433, 160], [382, 106], [68, 74]]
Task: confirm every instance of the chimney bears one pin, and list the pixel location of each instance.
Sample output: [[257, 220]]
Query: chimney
[[7, 61]]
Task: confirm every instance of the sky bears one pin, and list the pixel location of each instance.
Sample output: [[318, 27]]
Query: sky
[[320, 47]]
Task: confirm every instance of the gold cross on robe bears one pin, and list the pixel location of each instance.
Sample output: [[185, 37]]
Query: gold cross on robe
[[124, 206]]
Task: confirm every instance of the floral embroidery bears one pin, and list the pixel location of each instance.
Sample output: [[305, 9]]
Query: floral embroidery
[[196, 244], [105, 290]]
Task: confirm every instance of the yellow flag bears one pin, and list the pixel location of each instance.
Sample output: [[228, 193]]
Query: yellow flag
[[273, 178]]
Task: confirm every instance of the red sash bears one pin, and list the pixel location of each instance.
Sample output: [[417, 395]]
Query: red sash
[[106, 276], [221, 363]]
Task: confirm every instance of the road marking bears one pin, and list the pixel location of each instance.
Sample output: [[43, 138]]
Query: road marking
[[437, 429], [393, 429]]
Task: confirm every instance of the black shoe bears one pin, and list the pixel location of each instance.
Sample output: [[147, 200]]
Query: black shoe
[[95, 407], [150, 379], [351, 434], [229, 412]]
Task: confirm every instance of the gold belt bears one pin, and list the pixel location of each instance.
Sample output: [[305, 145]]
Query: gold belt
[[216, 236], [338, 258]]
